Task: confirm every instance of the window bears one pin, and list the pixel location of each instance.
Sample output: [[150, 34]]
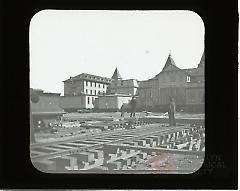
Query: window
[[91, 92], [95, 92], [95, 84], [86, 91], [88, 100], [99, 85], [92, 100], [188, 79], [121, 83], [103, 85]]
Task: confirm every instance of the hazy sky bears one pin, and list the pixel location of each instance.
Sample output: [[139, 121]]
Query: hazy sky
[[68, 43]]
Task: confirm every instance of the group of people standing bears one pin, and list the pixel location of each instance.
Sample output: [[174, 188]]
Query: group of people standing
[[131, 107]]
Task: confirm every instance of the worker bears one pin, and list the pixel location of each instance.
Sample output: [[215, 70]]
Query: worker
[[133, 105], [171, 112]]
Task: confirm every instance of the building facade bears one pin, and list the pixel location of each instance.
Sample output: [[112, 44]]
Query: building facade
[[81, 91], [185, 85], [86, 84]]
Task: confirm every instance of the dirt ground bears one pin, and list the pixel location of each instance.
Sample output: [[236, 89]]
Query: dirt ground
[[75, 130], [138, 114]]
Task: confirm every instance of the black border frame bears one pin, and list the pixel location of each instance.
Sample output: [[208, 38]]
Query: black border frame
[[221, 30]]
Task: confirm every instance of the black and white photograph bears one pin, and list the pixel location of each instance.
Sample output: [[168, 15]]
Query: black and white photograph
[[117, 92]]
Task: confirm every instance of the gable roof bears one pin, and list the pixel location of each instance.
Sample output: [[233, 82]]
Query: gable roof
[[116, 74], [90, 77]]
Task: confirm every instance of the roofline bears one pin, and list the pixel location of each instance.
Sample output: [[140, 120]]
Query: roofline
[[105, 78]]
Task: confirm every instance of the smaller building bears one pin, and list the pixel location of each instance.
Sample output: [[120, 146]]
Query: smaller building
[[120, 86], [111, 102]]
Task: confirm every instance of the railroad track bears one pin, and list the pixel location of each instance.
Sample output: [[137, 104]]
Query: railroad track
[[82, 143], [78, 144], [105, 149]]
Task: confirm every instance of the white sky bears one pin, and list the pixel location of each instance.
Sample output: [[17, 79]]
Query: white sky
[[68, 43]]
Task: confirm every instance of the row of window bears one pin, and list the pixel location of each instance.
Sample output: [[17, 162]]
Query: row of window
[[95, 84], [94, 92], [97, 78]]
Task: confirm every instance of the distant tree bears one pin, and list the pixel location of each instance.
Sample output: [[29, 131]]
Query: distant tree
[[34, 97]]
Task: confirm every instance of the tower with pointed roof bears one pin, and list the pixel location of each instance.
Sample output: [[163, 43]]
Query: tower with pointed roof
[[122, 86], [116, 75], [169, 62], [169, 65]]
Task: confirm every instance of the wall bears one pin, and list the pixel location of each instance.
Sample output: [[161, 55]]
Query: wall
[[155, 93], [128, 87], [107, 102], [73, 88], [73, 102], [46, 104], [111, 102], [195, 95], [145, 91]]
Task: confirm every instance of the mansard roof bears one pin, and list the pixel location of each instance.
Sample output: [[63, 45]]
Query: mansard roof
[[116, 75]]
